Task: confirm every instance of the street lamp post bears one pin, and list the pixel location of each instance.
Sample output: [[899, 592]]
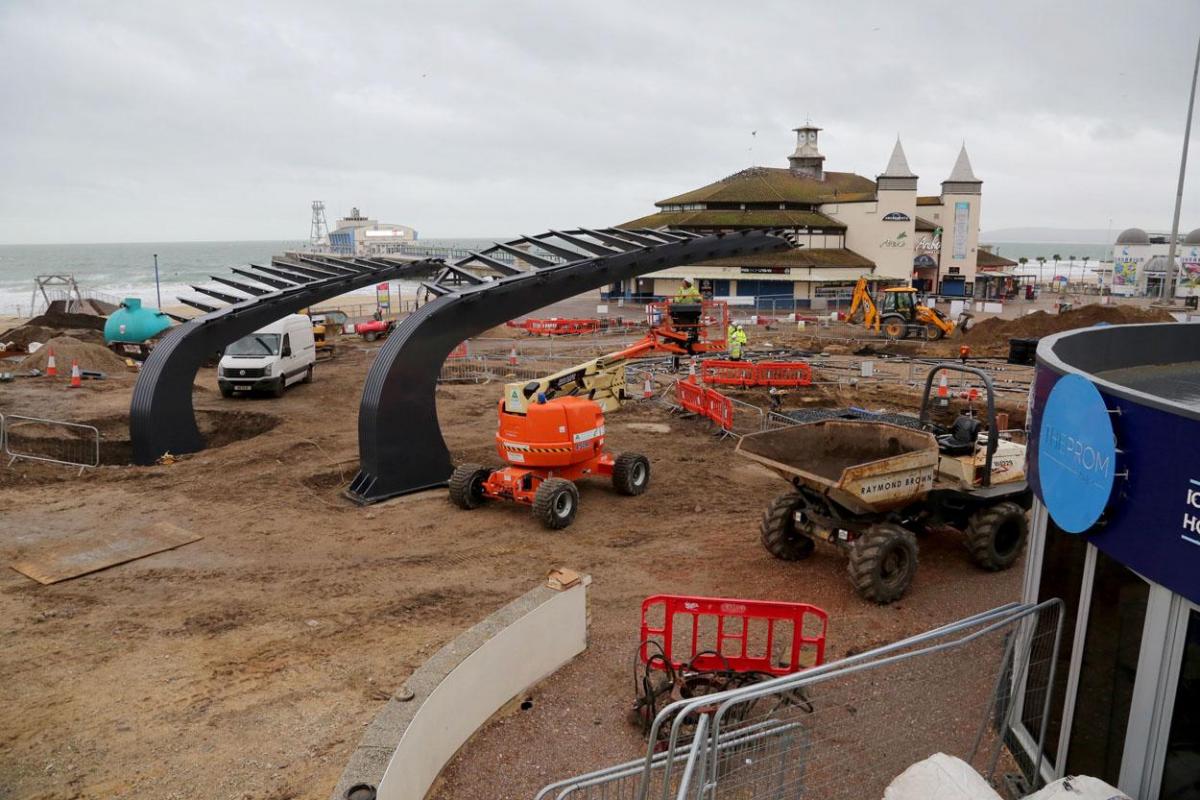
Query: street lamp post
[[1168, 292], [157, 289]]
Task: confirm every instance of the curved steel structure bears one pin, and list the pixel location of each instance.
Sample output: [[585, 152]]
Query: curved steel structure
[[400, 443], [161, 416]]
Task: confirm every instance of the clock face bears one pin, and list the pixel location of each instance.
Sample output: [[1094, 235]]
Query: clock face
[[812, 136]]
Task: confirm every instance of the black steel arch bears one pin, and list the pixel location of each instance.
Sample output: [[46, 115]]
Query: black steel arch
[[400, 442], [161, 416]]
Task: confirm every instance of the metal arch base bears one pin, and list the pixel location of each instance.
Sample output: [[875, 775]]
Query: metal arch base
[[401, 449], [161, 416]]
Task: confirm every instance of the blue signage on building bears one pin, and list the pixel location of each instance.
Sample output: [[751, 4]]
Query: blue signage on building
[[1076, 454]]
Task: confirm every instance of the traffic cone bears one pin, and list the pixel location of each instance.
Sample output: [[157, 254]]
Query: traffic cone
[[51, 367], [647, 388], [943, 391], [76, 378], [512, 357]]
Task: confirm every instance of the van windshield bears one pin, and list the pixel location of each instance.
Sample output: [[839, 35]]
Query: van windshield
[[256, 344]]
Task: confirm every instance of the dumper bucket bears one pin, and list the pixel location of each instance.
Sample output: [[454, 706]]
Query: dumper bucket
[[866, 467]]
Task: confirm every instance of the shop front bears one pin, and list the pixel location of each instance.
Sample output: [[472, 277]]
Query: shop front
[[1115, 464]]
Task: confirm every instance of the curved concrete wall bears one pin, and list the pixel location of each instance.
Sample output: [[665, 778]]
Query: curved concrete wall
[[462, 686]]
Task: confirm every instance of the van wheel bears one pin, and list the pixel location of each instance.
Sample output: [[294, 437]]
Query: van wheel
[[280, 387], [996, 535], [555, 503], [308, 374], [883, 562]]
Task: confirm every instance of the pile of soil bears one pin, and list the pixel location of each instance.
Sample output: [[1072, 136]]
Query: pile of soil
[[995, 332], [67, 349], [84, 327]]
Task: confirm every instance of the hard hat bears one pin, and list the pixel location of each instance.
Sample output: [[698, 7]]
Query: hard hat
[[739, 327], [689, 280]]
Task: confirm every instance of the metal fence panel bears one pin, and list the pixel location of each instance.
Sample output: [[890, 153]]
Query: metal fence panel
[[53, 441], [847, 729]]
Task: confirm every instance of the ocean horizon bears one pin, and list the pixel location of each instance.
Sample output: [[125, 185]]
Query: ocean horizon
[[126, 269]]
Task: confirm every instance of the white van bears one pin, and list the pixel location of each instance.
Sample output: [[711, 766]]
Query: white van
[[270, 359]]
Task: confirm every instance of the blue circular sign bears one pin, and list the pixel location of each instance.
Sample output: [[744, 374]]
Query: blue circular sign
[[1077, 454]]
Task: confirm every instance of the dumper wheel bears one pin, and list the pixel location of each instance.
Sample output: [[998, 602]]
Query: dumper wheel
[[466, 485], [883, 562], [631, 474], [779, 533], [996, 535], [555, 503], [371, 336]]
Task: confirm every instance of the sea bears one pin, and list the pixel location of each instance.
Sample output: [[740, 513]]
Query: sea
[[127, 270], [118, 271]]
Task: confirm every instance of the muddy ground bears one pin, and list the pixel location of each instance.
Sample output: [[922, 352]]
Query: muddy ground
[[247, 664]]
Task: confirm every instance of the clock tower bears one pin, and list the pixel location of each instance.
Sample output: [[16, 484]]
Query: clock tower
[[807, 161]]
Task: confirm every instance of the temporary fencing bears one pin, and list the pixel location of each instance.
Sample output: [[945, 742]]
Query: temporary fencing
[[54, 441], [765, 636], [847, 729], [779, 374]]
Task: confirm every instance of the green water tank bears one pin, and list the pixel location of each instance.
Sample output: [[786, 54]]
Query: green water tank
[[132, 323]]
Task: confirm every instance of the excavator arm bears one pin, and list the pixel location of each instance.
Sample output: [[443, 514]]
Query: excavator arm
[[862, 299]]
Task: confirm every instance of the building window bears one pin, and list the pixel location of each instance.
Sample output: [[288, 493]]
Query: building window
[[1181, 769], [1116, 617]]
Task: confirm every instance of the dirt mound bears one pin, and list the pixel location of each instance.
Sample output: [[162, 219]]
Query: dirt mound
[[996, 332], [66, 348], [63, 321], [25, 335]]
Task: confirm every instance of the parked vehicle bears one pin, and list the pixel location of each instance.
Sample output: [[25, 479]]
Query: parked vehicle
[[869, 488], [270, 359], [375, 329]]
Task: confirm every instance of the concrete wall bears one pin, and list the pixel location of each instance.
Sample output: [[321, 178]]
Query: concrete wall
[[461, 687], [965, 265], [888, 243]]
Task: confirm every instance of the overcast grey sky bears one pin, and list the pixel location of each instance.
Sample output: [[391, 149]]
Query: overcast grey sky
[[197, 121]]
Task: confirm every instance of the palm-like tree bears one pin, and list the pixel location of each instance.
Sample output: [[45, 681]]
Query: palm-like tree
[[1070, 267]]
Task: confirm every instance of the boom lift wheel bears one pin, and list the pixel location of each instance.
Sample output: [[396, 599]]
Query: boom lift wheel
[[996, 535], [631, 474], [778, 528], [883, 562], [466, 485], [555, 503]]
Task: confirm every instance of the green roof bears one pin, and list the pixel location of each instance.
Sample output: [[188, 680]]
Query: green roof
[[797, 257], [735, 219], [771, 184]]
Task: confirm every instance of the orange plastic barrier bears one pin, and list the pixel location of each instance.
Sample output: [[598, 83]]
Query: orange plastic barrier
[[727, 373], [782, 373], [719, 409], [556, 326], [765, 373], [691, 396], [750, 635], [460, 351]]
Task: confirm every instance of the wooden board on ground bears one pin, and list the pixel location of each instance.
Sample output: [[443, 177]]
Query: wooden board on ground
[[88, 553]]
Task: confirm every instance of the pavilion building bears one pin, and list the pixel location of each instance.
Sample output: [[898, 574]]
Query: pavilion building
[[844, 226]]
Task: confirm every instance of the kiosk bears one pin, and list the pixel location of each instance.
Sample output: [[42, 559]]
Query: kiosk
[[1114, 458]]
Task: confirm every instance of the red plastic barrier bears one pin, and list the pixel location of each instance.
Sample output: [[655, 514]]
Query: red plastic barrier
[[749, 635], [691, 396], [782, 373], [556, 326], [719, 409], [460, 351], [766, 373], [727, 373]]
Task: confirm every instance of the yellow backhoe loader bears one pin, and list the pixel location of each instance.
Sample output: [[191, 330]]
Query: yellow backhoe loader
[[899, 315]]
